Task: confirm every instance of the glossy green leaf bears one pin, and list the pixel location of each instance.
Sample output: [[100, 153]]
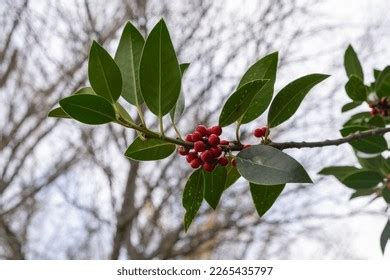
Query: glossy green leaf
[[160, 75], [377, 163], [355, 89], [264, 196], [232, 176], [239, 102], [127, 57], [214, 185], [287, 101], [376, 73], [178, 110], [263, 69], [361, 118], [385, 236], [193, 196], [123, 113], [58, 113], [383, 83], [352, 64], [339, 172], [104, 75], [265, 165], [362, 192], [89, 109], [369, 145], [377, 121], [386, 195], [350, 106], [149, 149], [362, 179]]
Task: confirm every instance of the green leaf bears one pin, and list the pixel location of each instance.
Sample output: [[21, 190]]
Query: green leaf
[[232, 176], [193, 196], [339, 172], [263, 69], [362, 179], [377, 121], [58, 113], [178, 110], [287, 101], [352, 64], [214, 185], [149, 149], [361, 118], [264, 196], [160, 75], [350, 106], [362, 192], [383, 83], [89, 109], [123, 113], [355, 89], [385, 236], [377, 73], [127, 57], [104, 75], [239, 102], [377, 163], [265, 165], [369, 145], [386, 194]]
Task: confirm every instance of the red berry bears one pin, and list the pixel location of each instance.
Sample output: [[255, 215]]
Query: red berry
[[234, 163], [217, 130], [189, 138], [195, 163], [258, 132], [213, 140], [202, 130], [247, 146], [206, 156], [209, 132], [196, 136], [182, 151], [224, 142], [374, 111], [216, 151], [208, 166], [223, 161], [264, 130], [191, 156], [199, 146]]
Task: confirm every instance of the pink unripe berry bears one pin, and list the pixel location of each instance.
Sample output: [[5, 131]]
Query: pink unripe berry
[[199, 146]]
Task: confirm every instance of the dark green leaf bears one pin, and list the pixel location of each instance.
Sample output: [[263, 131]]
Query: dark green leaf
[[263, 69], [377, 73], [264, 196], [385, 236], [149, 149], [377, 121], [352, 64], [193, 196], [377, 163], [160, 75], [355, 89], [362, 179], [232, 176], [350, 106], [338, 171], [123, 113], [386, 194], [361, 118], [370, 145], [178, 109], [104, 75], [265, 165], [287, 101], [89, 109], [214, 185], [127, 57], [362, 192], [58, 113], [383, 83], [239, 102]]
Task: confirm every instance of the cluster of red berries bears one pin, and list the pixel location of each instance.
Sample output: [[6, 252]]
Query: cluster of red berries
[[382, 108], [260, 132], [208, 151]]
